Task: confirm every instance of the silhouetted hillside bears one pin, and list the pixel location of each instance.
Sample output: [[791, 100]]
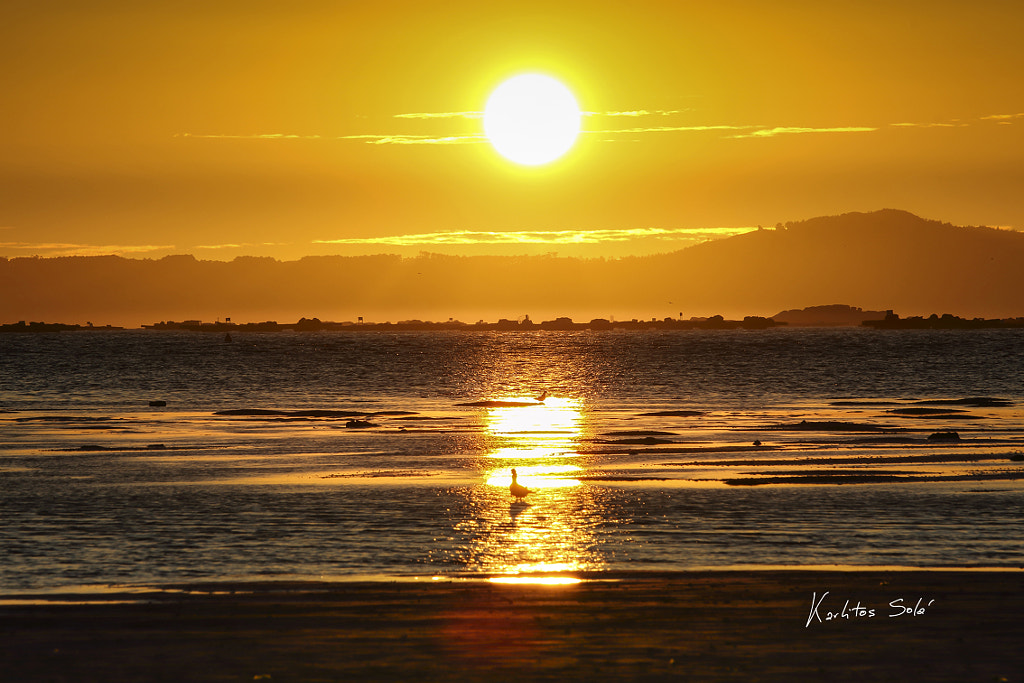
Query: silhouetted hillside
[[831, 315], [883, 260]]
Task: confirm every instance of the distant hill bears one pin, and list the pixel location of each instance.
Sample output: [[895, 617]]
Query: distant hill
[[887, 259], [882, 260], [832, 315]]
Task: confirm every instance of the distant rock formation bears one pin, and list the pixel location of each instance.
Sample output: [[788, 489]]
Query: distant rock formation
[[833, 315], [946, 321]]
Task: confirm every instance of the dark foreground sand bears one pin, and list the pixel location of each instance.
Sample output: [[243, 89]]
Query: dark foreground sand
[[698, 626]]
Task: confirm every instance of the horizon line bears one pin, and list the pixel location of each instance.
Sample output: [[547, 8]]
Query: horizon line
[[560, 323]]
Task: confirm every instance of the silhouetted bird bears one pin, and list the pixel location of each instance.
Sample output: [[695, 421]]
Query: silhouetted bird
[[540, 399], [517, 489]]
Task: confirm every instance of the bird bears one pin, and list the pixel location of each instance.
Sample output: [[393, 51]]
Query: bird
[[542, 397], [517, 489]]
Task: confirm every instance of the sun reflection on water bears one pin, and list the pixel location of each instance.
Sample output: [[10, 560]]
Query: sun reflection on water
[[552, 535], [526, 429], [536, 476], [558, 417]]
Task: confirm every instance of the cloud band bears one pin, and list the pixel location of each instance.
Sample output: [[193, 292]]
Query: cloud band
[[469, 237]]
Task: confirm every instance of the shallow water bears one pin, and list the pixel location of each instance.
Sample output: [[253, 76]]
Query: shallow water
[[98, 487]]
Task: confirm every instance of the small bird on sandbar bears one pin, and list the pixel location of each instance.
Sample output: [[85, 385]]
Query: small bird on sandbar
[[517, 489]]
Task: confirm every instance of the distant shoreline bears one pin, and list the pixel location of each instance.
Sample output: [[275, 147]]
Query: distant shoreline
[[890, 322], [888, 259]]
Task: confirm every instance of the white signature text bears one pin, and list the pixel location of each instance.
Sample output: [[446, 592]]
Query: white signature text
[[822, 612]]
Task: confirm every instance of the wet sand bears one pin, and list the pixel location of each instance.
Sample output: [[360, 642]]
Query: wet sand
[[702, 626]]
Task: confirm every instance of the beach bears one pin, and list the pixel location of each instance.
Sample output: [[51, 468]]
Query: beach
[[769, 625], [336, 506]]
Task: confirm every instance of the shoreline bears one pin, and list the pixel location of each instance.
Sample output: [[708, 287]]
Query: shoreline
[[771, 625], [100, 593], [890, 321]]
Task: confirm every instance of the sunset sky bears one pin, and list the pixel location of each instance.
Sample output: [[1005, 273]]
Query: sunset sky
[[314, 127]]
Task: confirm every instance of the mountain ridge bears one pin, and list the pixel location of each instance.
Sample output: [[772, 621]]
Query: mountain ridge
[[887, 259]]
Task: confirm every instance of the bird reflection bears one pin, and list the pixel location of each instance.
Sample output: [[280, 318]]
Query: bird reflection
[[516, 508]]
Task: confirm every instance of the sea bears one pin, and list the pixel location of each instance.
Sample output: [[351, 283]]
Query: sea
[[156, 458]]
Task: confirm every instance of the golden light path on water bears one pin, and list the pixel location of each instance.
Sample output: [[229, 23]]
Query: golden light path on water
[[551, 536]]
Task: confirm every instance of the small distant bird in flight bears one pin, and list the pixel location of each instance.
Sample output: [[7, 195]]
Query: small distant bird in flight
[[517, 489]]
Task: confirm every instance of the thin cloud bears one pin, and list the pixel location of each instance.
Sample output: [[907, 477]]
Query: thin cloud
[[794, 130], [480, 114], [405, 139], [957, 123], [70, 249], [636, 113], [666, 129], [242, 245], [606, 133], [257, 136], [369, 139], [417, 139], [553, 237], [442, 115], [927, 125], [219, 246], [753, 131], [1003, 119]]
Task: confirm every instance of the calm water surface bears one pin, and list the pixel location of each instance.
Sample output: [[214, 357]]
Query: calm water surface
[[641, 455]]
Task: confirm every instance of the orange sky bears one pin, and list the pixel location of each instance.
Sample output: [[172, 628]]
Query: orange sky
[[284, 129]]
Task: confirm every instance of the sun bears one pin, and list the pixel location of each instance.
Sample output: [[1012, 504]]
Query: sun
[[532, 119]]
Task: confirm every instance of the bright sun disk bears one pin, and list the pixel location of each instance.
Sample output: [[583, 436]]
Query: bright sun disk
[[532, 119]]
